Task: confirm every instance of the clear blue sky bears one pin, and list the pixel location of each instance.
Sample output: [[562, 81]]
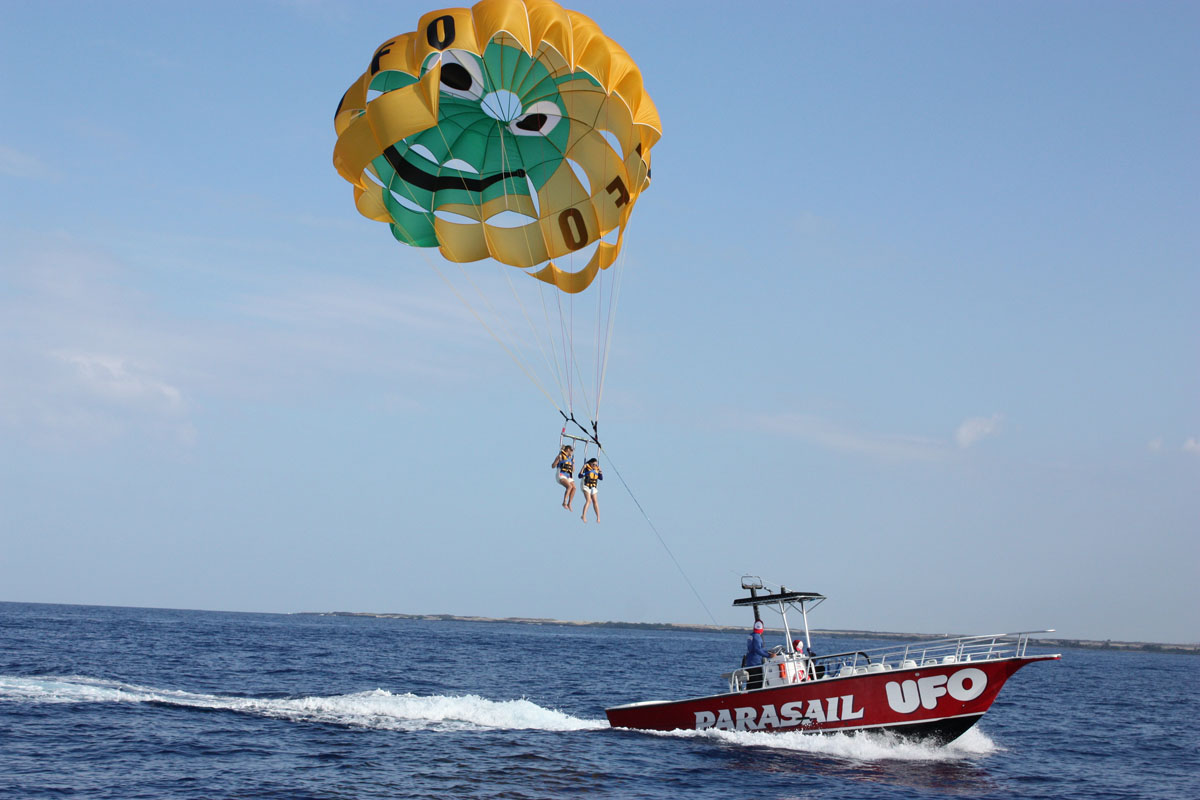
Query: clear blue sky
[[909, 318]]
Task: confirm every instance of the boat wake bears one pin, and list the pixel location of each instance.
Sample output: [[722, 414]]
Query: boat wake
[[383, 710], [857, 746], [377, 709]]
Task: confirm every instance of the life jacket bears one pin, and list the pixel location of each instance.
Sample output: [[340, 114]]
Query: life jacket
[[566, 463], [591, 476]]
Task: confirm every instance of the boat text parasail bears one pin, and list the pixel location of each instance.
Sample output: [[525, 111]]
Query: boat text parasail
[[515, 137]]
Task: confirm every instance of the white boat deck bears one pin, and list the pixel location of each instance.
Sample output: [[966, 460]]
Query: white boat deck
[[784, 668]]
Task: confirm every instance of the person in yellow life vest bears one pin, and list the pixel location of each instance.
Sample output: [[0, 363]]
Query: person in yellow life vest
[[564, 463], [592, 476]]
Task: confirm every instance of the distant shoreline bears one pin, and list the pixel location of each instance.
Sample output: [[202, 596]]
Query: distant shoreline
[[1082, 644]]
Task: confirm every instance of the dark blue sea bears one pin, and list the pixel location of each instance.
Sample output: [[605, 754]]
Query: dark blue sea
[[148, 703]]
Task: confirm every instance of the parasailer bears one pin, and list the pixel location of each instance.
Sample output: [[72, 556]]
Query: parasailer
[[564, 463], [512, 135], [591, 476]]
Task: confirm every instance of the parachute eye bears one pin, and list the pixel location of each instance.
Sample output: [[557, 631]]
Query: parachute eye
[[531, 122], [456, 77], [538, 120], [461, 76]]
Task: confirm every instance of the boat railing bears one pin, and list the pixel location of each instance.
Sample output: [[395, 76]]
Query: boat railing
[[935, 652], [955, 650]]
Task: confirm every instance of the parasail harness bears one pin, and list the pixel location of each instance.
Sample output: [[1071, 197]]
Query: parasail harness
[[588, 439]]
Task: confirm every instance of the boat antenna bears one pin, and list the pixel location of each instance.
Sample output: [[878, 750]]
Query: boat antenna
[[753, 583]]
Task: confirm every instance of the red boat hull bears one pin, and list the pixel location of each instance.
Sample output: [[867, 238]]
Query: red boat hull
[[927, 702]]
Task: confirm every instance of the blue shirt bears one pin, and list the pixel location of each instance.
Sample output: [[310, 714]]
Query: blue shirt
[[755, 652]]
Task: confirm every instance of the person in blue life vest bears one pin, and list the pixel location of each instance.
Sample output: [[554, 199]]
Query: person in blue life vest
[[755, 653], [564, 463], [591, 476]]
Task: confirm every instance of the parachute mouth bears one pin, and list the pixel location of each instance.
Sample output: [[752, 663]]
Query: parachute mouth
[[411, 173]]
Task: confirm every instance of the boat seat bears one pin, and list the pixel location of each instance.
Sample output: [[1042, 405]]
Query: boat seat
[[860, 670], [845, 671], [907, 663], [949, 660], [875, 668]]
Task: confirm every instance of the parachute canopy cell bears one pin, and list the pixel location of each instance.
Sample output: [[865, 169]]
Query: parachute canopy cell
[[513, 130]]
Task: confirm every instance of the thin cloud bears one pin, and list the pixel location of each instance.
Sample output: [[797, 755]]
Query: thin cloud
[[833, 436], [975, 429], [16, 164], [1192, 445], [123, 381], [86, 359]]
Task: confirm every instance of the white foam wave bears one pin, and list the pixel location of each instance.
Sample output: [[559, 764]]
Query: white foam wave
[[857, 746], [374, 709]]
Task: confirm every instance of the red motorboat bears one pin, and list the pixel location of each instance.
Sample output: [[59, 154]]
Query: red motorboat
[[931, 690]]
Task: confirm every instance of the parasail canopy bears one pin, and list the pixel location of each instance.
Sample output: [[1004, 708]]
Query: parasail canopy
[[513, 134], [514, 130]]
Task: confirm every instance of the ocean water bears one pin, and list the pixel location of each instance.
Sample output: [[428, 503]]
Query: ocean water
[[148, 703]]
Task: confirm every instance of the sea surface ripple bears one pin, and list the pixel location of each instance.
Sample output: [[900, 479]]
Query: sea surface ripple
[[131, 703]]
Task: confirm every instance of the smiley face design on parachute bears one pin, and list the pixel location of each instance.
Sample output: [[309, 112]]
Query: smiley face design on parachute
[[514, 131], [502, 131]]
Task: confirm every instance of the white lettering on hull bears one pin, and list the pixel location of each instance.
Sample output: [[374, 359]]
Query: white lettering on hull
[[745, 719], [848, 712], [904, 697], [963, 685], [790, 715], [958, 688]]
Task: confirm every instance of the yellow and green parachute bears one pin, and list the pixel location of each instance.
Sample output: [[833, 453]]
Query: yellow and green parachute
[[486, 114], [513, 131]]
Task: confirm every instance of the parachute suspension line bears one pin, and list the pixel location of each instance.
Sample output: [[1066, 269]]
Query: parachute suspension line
[[588, 437], [614, 297], [661, 541], [483, 296], [566, 321], [568, 349], [601, 345], [583, 391], [551, 363], [616, 279], [570, 375], [599, 339], [574, 373], [499, 341], [542, 342], [467, 304], [510, 343], [560, 370], [563, 374]]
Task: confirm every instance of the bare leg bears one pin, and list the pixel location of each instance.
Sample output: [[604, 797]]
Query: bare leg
[[570, 494], [595, 507]]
